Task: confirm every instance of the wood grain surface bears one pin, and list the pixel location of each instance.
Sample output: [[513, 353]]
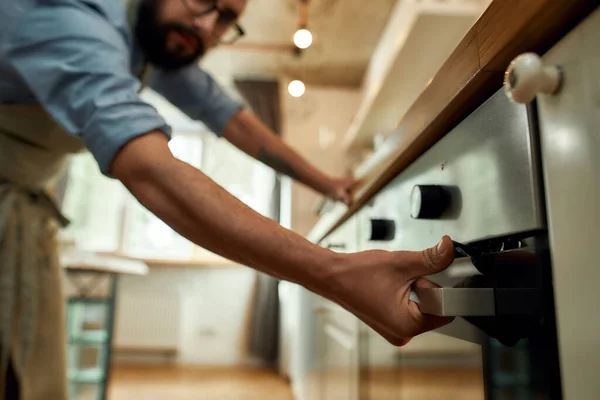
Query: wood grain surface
[[159, 382]]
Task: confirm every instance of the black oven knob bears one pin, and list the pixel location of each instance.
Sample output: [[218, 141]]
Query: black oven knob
[[428, 201], [382, 230]]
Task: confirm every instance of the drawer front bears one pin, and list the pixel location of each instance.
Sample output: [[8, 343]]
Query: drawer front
[[340, 367], [335, 315], [343, 240], [488, 169]]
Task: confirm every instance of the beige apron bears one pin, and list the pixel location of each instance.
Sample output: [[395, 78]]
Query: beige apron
[[33, 152]]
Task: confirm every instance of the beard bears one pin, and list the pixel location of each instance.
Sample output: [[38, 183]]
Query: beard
[[151, 34]]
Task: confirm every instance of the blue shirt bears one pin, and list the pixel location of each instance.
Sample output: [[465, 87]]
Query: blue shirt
[[77, 58]]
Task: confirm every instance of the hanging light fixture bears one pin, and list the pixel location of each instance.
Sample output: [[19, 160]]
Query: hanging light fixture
[[296, 88], [303, 38]]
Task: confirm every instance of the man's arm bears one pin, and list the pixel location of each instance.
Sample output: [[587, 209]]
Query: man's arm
[[373, 285], [197, 94], [248, 133]]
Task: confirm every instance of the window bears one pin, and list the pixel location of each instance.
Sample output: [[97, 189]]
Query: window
[[93, 203], [106, 217], [145, 235]]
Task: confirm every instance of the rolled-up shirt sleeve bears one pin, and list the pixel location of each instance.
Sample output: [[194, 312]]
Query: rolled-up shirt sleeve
[[77, 65], [197, 95]]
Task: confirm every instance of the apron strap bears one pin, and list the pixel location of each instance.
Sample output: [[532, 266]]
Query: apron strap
[[40, 198]]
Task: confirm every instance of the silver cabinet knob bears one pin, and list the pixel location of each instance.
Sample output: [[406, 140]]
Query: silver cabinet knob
[[526, 77]]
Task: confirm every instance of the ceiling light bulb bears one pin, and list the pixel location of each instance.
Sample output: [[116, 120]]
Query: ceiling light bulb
[[303, 38], [296, 88]]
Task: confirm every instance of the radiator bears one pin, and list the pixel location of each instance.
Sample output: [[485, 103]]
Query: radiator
[[147, 321]]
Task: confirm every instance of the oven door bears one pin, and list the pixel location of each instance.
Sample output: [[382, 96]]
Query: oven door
[[504, 302]]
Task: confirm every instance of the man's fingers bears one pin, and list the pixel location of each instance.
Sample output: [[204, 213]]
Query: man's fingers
[[427, 322], [345, 197], [394, 340], [431, 322], [384, 331], [348, 199], [425, 283], [355, 183]]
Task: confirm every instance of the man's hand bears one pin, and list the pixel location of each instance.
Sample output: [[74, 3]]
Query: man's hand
[[375, 286], [341, 189]]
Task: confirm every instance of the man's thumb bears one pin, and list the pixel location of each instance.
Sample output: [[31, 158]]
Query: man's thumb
[[435, 259]]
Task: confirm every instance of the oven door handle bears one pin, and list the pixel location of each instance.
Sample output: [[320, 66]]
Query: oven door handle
[[478, 302]]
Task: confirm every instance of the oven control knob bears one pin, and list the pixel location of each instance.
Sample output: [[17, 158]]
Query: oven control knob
[[526, 77], [382, 230], [428, 201]]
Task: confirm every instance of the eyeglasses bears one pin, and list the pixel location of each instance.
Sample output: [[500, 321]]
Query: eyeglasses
[[227, 18]]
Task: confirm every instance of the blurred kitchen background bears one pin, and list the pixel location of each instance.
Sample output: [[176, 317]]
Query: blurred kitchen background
[[191, 325]]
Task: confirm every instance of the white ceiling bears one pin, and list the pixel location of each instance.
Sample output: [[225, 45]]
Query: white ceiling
[[345, 35]]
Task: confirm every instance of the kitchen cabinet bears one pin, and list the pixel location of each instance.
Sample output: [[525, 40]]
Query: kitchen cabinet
[[337, 334], [338, 353]]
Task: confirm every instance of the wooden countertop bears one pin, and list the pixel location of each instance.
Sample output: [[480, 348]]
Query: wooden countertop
[[472, 73], [85, 261], [211, 261]]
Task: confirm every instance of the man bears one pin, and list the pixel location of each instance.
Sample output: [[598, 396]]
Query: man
[[70, 73]]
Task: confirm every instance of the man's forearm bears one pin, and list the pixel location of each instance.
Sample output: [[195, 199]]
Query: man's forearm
[[212, 218], [249, 134]]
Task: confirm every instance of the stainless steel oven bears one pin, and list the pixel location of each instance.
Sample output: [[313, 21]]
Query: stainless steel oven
[[494, 184], [482, 185]]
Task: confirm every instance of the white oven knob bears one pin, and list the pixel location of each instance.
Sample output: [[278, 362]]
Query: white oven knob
[[526, 77]]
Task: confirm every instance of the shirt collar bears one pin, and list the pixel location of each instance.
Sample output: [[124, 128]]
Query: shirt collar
[[132, 7]]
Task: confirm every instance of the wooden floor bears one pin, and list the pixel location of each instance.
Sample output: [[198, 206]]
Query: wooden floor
[[426, 384], [191, 383], [194, 383]]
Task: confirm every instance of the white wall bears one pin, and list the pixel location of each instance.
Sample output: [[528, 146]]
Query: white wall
[[314, 125], [214, 310]]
